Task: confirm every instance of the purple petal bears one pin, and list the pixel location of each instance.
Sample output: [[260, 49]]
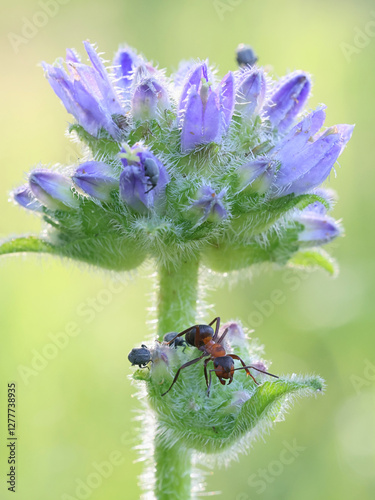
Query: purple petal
[[149, 98], [298, 137], [192, 80], [192, 126], [52, 189], [125, 62], [310, 156], [288, 100], [250, 93], [96, 179], [210, 204], [133, 187], [24, 197], [212, 120], [318, 230], [226, 93]]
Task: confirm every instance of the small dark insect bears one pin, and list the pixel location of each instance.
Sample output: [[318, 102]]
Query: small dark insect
[[177, 341], [140, 356], [204, 338], [245, 55], [152, 172]]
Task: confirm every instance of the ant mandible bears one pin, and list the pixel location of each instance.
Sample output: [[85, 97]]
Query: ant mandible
[[204, 338]]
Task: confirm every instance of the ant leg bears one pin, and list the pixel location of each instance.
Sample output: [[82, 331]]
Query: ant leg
[[254, 368], [181, 368], [205, 369], [223, 336], [209, 383], [258, 370], [180, 334], [216, 328], [244, 367]]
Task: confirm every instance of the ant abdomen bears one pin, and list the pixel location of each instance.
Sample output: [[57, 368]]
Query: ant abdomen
[[206, 333]]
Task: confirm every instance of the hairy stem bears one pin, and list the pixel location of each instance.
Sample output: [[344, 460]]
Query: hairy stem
[[177, 300], [173, 472], [177, 303]]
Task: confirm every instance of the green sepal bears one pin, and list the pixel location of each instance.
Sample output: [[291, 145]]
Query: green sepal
[[102, 145], [314, 258]]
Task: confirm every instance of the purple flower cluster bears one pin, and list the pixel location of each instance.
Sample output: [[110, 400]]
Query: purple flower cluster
[[275, 151]]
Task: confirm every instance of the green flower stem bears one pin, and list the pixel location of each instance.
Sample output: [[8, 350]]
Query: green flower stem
[[178, 294], [173, 472], [177, 303]]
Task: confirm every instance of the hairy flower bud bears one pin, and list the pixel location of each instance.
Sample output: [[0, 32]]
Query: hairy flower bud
[[317, 229], [250, 94], [52, 189], [205, 113], [125, 62], [96, 179], [210, 204], [309, 166], [24, 197], [149, 99], [288, 100]]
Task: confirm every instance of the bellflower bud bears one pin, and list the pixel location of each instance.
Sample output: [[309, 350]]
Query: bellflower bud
[[310, 166], [318, 229], [205, 114], [96, 179], [86, 92], [288, 100], [251, 90], [143, 180], [245, 55], [125, 62], [211, 204], [149, 99], [52, 189], [24, 197]]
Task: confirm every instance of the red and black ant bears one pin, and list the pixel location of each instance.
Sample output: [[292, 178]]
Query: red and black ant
[[206, 340]]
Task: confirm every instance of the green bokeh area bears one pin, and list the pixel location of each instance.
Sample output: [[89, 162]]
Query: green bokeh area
[[75, 408]]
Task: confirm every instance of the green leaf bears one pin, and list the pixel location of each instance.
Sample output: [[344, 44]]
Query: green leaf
[[25, 244], [212, 428], [256, 215], [314, 258], [108, 251]]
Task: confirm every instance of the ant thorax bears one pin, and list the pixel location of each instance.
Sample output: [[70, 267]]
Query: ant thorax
[[216, 350]]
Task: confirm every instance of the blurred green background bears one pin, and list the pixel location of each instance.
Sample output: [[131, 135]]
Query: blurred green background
[[76, 408]]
